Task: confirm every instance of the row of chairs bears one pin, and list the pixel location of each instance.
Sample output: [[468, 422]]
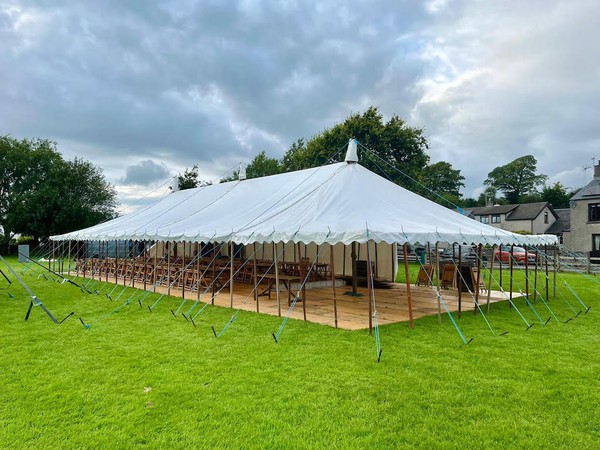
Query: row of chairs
[[449, 278]]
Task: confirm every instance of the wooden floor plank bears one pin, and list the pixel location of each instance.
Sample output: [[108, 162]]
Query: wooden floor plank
[[353, 312]]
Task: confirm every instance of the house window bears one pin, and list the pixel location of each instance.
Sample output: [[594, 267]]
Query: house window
[[595, 242], [485, 219], [546, 217], [594, 212], [496, 218]]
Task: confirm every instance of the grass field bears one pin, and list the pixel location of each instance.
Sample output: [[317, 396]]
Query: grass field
[[141, 379]]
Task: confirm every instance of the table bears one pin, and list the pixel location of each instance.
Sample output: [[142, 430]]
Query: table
[[287, 281]]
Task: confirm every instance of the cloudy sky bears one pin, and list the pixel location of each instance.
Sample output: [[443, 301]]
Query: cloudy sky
[[144, 89]]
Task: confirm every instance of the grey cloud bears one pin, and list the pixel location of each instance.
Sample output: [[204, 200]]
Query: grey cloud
[[211, 82], [145, 173], [104, 72]]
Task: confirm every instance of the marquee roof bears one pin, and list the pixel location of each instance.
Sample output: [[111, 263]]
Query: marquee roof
[[342, 202]]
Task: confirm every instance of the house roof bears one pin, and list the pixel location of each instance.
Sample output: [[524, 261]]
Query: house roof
[[562, 224], [529, 211], [524, 211], [589, 191], [496, 209], [342, 202]]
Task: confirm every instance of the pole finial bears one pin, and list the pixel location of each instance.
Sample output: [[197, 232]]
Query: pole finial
[[352, 153]]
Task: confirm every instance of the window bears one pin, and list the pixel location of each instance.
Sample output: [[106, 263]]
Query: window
[[546, 217], [595, 242], [486, 219], [594, 212], [496, 218]]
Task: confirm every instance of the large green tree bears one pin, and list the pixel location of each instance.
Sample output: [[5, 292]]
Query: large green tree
[[442, 179], [557, 195], [392, 149], [516, 179], [42, 194], [262, 165]]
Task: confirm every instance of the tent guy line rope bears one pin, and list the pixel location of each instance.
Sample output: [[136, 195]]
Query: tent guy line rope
[[378, 348], [277, 334]]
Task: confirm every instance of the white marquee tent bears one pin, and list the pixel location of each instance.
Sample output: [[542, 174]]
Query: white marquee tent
[[337, 203]]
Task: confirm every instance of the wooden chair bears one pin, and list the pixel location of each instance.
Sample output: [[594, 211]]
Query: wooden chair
[[425, 275], [449, 276]]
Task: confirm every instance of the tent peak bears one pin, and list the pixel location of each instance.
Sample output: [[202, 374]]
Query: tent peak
[[352, 153]]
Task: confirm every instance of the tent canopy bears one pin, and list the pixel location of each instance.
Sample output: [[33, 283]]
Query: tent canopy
[[342, 202]]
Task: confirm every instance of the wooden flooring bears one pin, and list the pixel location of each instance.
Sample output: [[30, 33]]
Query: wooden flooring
[[353, 311]]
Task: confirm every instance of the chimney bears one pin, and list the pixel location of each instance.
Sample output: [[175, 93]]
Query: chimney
[[597, 170]]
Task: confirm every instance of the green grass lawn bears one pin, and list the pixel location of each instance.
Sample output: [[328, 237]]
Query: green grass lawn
[[141, 379]]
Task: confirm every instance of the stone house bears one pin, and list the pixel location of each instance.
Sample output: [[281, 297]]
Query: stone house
[[584, 230], [532, 218]]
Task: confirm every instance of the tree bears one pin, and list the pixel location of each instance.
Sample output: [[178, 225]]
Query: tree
[[444, 180], [517, 178], [42, 194], [262, 166], [74, 195], [189, 179], [489, 195], [557, 195], [395, 150], [468, 202]]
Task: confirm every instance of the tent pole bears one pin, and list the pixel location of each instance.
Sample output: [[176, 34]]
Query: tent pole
[[116, 261], [479, 256], [106, 261], [407, 281], [510, 271], [155, 268], [535, 278], [500, 264], [526, 273], [85, 260], [489, 292], [255, 277], [213, 282], [354, 280], [394, 256], [183, 276], [459, 280], [231, 253], [276, 264], [69, 260], [99, 260], [554, 272], [76, 251], [198, 274], [133, 271], [437, 281], [370, 288], [344, 262], [302, 275], [168, 244], [145, 275], [546, 268], [376, 262], [332, 267]]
